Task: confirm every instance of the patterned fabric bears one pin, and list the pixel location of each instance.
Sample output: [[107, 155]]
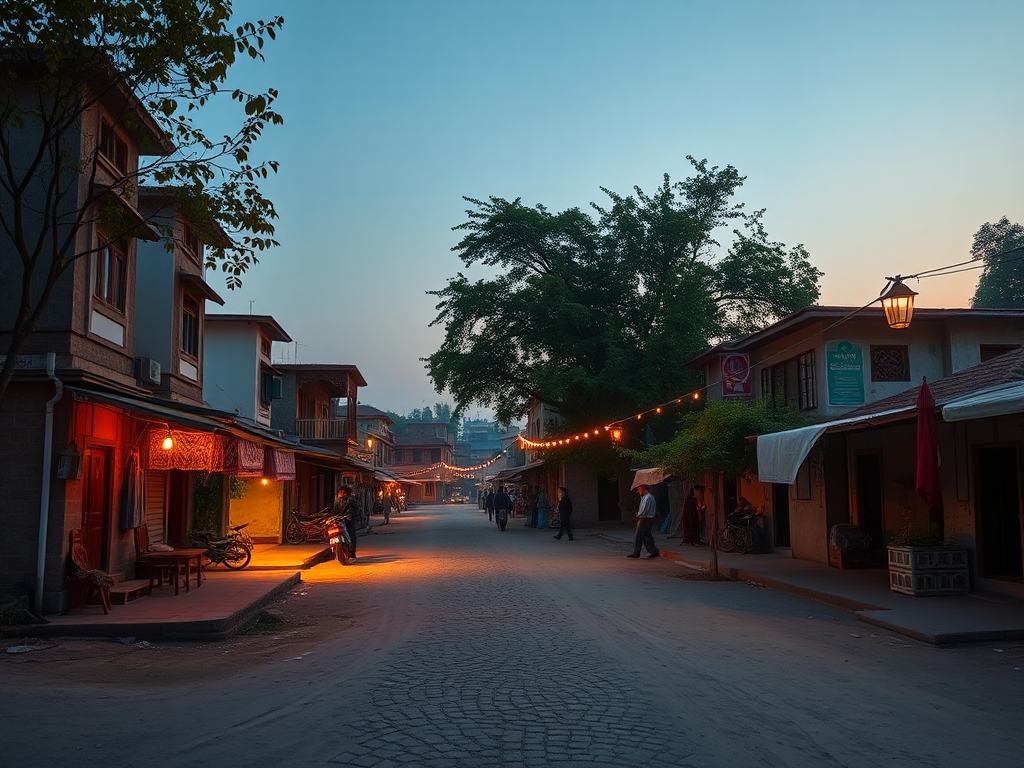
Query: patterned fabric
[[192, 451], [278, 464], [243, 458], [133, 508]]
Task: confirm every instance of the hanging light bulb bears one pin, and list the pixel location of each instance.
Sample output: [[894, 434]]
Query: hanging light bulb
[[168, 442]]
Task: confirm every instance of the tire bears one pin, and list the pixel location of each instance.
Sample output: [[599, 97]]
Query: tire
[[502, 524], [293, 533], [236, 557], [726, 540]]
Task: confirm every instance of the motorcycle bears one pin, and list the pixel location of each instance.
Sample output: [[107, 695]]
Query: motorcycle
[[303, 528], [339, 540], [227, 552]]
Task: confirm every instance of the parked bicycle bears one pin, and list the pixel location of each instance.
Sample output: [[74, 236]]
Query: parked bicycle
[[742, 532], [302, 528], [222, 551], [240, 535]]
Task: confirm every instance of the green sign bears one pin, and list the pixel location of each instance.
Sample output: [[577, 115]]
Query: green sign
[[844, 365]]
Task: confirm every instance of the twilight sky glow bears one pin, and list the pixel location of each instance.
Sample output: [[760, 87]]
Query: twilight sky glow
[[879, 133]]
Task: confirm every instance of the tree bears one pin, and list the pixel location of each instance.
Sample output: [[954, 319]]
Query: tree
[[1001, 247], [597, 313], [163, 60]]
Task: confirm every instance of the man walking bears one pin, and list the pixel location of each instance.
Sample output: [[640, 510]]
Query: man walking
[[644, 524]]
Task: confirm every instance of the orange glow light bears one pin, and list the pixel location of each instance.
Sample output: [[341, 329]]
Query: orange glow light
[[168, 443]]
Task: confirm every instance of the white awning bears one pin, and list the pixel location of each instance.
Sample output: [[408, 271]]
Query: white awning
[[998, 401], [648, 477], [780, 454]]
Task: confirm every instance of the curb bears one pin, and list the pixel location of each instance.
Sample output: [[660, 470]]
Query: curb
[[220, 628]]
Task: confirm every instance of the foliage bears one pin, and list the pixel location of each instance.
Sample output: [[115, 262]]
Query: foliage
[[60, 60], [207, 502], [1001, 247], [912, 534], [596, 313], [398, 427], [714, 439], [238, 488]]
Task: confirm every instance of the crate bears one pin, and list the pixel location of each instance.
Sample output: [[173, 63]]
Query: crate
[[845, 559], [922, 571]]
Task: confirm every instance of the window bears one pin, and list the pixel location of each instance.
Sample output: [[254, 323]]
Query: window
[[192, 242], [807, 396], [989, 351], [435, 455], [270, 388], [791, 382], [265, 346], [190, 327], [113, 148], [890, 363], [108, 270], [417, 456]]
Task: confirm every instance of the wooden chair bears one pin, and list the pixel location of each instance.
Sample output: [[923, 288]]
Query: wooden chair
[[148, 566], [84, 582]]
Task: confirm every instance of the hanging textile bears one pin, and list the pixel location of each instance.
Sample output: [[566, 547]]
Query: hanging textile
[[133, 506], [243, 458], [191, 451], [278, 464]]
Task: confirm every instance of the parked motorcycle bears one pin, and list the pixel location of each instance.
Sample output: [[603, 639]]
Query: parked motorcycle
[[302, 528], [227, 552], [339, 540]]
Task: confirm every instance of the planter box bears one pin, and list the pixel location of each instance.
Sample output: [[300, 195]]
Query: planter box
[[844, 559], [921, 571]]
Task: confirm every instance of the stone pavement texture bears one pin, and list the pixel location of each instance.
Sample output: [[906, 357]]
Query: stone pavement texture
[[233, 598]]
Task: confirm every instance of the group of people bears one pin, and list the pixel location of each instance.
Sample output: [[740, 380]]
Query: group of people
[[537, 504]]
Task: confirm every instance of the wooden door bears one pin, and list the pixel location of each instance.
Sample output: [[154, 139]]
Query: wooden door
[[869, 499], [96, 509]]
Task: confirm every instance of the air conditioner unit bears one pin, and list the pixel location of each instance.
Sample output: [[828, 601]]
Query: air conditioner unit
[[147, 370]]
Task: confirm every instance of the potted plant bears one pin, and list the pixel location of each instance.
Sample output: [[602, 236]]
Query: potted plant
[[922, 563]]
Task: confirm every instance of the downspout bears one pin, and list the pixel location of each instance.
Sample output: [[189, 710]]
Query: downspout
[[44, 503]]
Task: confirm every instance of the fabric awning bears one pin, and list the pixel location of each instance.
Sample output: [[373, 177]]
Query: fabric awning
[[780, 454], [998, 401], [651, 476]]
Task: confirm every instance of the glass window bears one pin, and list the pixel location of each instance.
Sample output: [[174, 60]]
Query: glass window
[[190, 327], [808, 397], [108, 265]]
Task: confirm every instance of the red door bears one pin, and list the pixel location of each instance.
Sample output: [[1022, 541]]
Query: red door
[[96, 509]]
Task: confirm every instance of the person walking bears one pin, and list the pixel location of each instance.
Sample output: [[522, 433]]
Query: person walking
[[502, 508], [543, 504], [644, 523], [385, 504], [564, 514], [489, 505], [691, 520]]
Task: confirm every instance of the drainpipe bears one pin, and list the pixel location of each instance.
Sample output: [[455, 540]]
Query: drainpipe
[[44, 503]]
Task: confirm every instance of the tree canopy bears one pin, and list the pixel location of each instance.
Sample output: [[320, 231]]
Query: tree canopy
[[596, 312], [1001, 247], [58, 60]]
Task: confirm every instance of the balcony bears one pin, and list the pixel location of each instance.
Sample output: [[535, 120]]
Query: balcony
[[321, 429]]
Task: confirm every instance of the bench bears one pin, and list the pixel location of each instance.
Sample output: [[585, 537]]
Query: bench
[[125, 591]]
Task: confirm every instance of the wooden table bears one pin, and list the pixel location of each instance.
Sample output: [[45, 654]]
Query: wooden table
[[178, 558]]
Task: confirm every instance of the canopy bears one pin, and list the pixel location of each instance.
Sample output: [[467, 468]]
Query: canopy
[[651, 476], [780, 454], [997, 401]]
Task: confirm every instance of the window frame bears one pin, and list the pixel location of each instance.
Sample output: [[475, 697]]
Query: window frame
[[109, 253], [112, 148], [904, 376], [190, 331]]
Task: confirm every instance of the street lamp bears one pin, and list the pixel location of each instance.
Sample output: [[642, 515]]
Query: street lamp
[[898, 303]]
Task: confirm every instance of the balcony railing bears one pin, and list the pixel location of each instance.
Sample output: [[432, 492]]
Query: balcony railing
[[321, 429]]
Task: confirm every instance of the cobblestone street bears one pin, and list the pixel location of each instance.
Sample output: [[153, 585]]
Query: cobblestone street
[[449, 643]]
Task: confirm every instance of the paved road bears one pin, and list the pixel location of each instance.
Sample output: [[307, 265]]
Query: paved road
[[452, 644]]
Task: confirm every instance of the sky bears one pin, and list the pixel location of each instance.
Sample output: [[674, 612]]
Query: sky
[[880, 134]]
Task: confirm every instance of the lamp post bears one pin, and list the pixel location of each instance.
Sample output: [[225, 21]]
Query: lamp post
[[898, 303]]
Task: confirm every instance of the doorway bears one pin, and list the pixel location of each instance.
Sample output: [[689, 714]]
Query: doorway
[[997, 490], [96, 505], [780, 511], [608, 500], [869, 500]]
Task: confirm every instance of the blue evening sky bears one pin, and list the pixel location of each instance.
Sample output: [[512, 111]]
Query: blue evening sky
[[879, 133]]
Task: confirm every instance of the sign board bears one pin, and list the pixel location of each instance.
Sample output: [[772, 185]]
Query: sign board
[[736, 375], [844, 366]]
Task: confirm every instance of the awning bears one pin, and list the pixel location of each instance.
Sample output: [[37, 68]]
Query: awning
[[998, 401], [200, 286], [648, 477], [780, 454], [512, 472], [161, 412]]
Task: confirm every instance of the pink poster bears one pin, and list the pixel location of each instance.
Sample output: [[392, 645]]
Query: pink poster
[[736, 375]]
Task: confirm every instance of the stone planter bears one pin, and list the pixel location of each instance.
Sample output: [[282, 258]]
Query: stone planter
[[921, 571]]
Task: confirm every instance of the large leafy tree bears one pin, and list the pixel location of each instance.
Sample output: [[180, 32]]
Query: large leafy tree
[[58, 58], [1001, 247], [596, 313]]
